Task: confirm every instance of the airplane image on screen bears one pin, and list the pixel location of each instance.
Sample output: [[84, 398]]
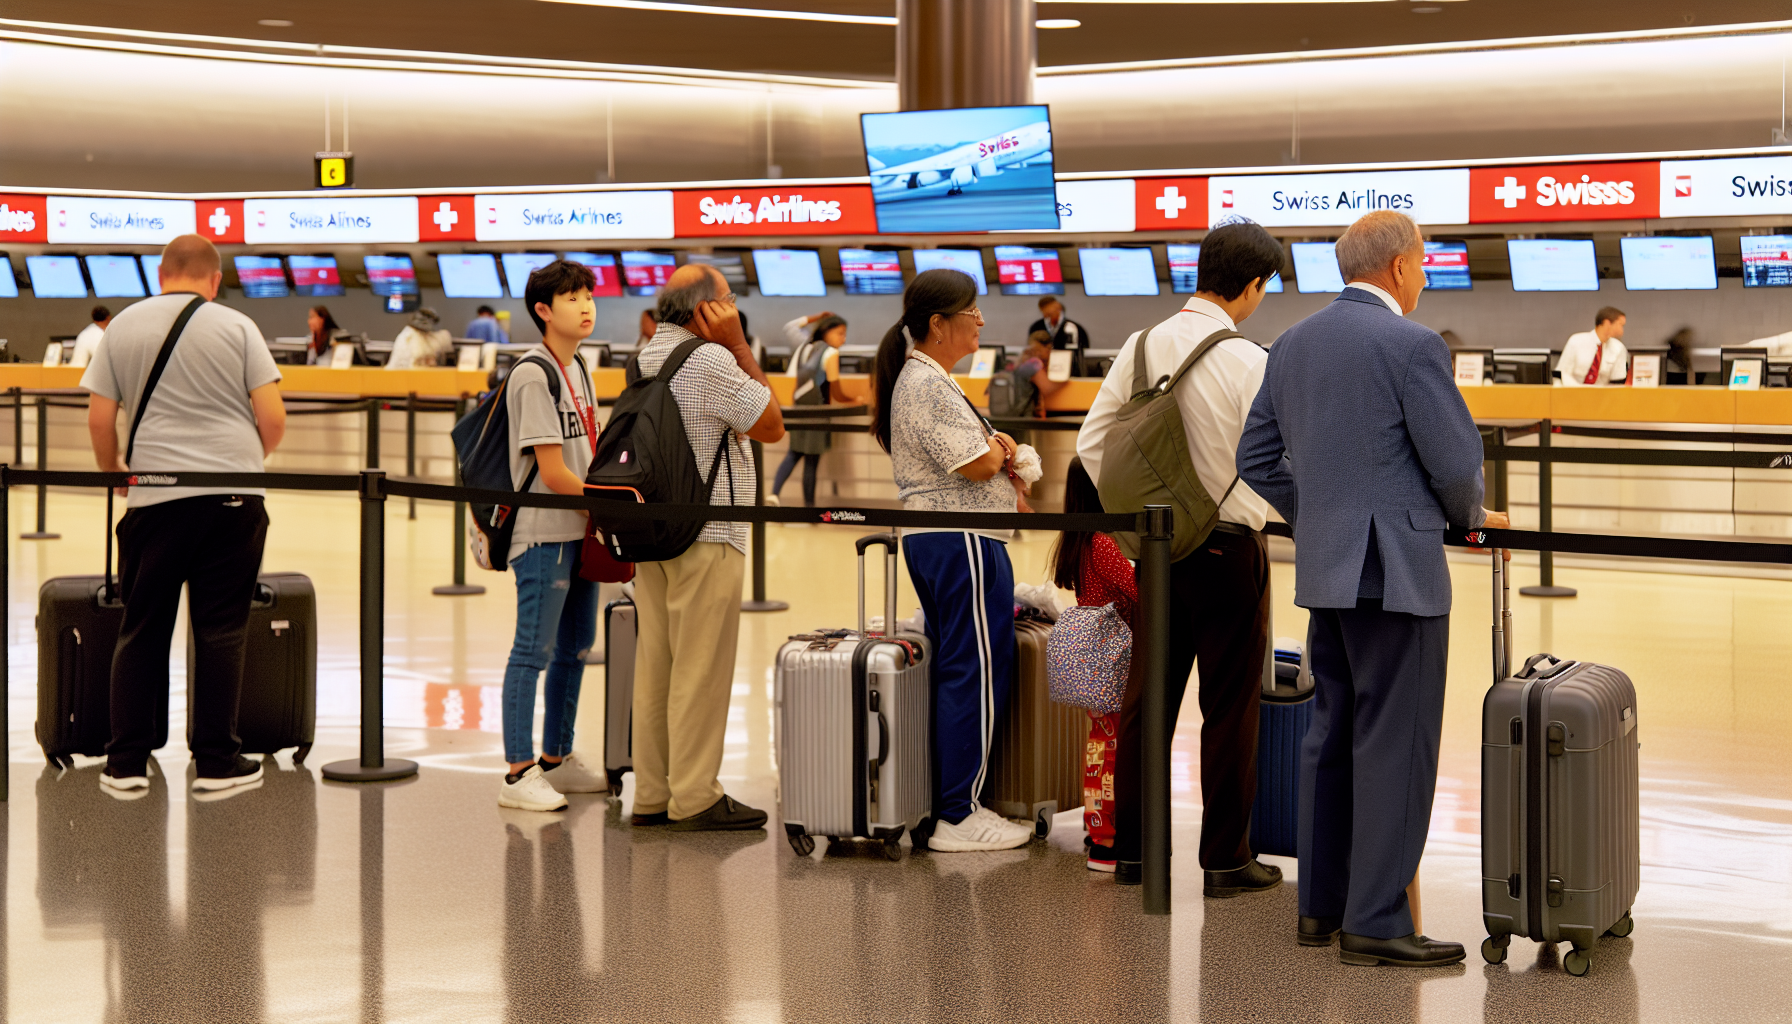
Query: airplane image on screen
[[960, 166]]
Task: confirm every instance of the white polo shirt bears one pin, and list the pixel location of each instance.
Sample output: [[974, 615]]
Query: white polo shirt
[[1577, 361]]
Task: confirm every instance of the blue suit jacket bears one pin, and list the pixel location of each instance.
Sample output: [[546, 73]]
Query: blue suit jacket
[[1359, 421]]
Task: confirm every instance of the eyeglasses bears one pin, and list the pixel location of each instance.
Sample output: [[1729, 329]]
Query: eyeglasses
[[728, 298], [973, 312]]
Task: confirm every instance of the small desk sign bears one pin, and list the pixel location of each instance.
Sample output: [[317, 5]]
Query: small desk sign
[[1471, 368]]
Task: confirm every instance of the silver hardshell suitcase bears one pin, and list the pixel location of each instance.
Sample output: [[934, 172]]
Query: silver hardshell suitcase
[[854, 714], [1560, 838]]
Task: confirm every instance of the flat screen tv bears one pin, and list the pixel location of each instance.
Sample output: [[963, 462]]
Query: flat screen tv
[[261, 277], [9, 285], [1553, 265], [603, 268], [789, 272], [871, 271], [969, 261], [389, 276], [315, 276], [645, 273], [56, 277], [1316, 267], [469, 275], [970, 169], [1766, 261], [1025, 270], [115, 277], [1669, 263], [1121, 270], [1185, 268], [152, 272], [1446, 266]]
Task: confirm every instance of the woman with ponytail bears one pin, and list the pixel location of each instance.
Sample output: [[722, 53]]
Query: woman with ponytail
[[947, 459]]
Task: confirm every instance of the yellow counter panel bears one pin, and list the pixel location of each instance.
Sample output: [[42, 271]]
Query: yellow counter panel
[[1713, 405], [320, 380]]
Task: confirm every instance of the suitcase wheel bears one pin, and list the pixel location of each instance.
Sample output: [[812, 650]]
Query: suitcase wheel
[[298, 756], [893, 847], [1623, 927], [1494, 950], [1577, 963], [615, 775], [802, 843], [1042, 822]]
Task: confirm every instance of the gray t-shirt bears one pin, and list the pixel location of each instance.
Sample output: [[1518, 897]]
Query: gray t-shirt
[[933, 432], [536, 419], [200, 419]]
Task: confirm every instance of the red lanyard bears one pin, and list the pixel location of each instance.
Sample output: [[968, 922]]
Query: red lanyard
[[586, 415]]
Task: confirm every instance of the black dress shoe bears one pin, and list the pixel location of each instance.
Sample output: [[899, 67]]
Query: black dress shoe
[[725, 815], [1413, 950], [1319, 931], [1129, 872], [656, 818], [1255, 876]]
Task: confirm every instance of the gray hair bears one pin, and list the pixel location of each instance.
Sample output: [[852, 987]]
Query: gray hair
[[678, 305], [1370, 245]]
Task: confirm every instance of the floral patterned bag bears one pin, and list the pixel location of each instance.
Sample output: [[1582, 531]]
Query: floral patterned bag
[[1087, 658]]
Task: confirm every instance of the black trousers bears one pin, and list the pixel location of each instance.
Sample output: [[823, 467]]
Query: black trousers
[[1219, 617], [213, 544]]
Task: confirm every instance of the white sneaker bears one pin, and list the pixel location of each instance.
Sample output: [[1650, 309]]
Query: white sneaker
[[772, 500], [530, 792], [983, 829], [573, 776]]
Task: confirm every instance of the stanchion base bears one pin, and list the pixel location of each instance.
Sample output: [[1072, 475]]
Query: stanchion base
[[457, 589], [1548, 591], [764, 606], [352, 771], [38, 535]]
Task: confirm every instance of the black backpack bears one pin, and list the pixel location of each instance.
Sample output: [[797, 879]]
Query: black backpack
[[644, 455], [482, 445], [1011, 396]]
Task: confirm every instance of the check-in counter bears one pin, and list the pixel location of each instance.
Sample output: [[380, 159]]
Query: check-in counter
[[443, 382]]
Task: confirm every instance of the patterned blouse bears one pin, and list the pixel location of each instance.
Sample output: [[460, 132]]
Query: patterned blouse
[[934, 431], [1106, 576]]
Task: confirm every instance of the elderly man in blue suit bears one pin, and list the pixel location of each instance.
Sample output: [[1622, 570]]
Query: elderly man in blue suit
[[1361, 441]]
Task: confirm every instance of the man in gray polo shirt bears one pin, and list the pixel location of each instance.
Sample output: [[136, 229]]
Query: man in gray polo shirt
[[215, 409]]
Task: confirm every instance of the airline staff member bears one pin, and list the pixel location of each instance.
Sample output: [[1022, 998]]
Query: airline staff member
[[88, 341], [1065, 332], [1597, 357]]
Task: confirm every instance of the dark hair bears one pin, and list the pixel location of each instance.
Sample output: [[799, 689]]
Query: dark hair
[[484, 310], [1606, 313], [942, 291], [101, 313], [826, 324], [1080, 495], [1235, 254], [1047, 300], [330, 324], [561, 277], [1040, 338]]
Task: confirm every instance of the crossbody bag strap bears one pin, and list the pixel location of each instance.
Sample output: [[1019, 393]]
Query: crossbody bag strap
[[155, 371]]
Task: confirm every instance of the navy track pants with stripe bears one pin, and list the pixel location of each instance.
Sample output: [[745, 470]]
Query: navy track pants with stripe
[[966, 586]]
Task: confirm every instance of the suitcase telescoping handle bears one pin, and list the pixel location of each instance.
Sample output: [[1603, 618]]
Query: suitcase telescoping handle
[[888, 541], [1502, 618]]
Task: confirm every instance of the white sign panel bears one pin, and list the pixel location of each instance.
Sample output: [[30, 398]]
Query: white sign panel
[[1726, 188], [1103, 205], [80, 219], [330, 219], [1326, 200], [573, 215]]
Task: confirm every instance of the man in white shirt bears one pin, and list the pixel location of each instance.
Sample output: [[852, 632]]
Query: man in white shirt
[[1065, 332], [1220, 593], [88, 341], [1597, 357]]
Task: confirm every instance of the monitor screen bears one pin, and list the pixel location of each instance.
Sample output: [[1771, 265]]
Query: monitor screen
[[152, 273], [789, 272], [314, 276], [115, 277], [1119, 271], [969, 261], [603, 267], [971, 169], [1316, 267], [519, 265], [1024, 270], [1446, 266], [391, 275], [871, 271], [645, 273], [732, 266], [469, 275], [56, 277], [1185, 266], [261, 277], [1553, 265], [1666, 263], [1766, 261], [9, 285]]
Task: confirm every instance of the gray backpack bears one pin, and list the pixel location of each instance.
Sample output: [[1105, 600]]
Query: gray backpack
[[1145, 458]]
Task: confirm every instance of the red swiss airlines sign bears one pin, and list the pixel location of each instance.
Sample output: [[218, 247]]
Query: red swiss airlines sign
[[445, 218], [220, 220], [1165, 204], [24, 219], [796, 210], [1554, 192]]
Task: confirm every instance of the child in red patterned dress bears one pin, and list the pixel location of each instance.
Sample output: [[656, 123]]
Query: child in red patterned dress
[[1091, 565]]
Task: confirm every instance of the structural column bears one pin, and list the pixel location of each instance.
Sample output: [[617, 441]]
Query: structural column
[[964, 53]]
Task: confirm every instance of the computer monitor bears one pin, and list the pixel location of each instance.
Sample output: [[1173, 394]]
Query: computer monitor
[[9, 285], [56, 277], [603, 267], [152, 272], [871, 271], [968, 261], [519, 265], [730, 264], [1316, 267], [391, 275], [469, 275], [1553, 264], [962, 169], [315, 276], [1185, 269], [645, 273], [1669, 263], [1766, 261], [261, 277], [794, 272], [1025, 270], [1122, 270], [115, 277], [1446, 266]]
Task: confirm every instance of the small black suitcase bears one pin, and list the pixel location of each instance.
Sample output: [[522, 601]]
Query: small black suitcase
[[78, 618], [278, 708]]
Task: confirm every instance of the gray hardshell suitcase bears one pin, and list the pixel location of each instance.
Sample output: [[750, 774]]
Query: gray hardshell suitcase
[[854, 717], [1560, 838], [619, 690]]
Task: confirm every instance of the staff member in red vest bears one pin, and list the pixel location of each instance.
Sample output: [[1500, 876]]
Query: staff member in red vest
[[1597, 357]]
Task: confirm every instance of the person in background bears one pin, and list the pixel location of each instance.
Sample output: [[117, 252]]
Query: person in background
[[754, 345], [485, 328], [946, 459], [1091, 565], [88, 341], [1035, 360], [1064, 332], [815, 342], [421, 343], [322, 327], [650, 324], [1680, 345], [1596, 358]]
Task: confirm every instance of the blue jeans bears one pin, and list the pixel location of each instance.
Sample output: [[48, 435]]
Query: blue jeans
[[556, 623]]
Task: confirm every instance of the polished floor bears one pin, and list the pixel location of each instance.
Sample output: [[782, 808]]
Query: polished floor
[[421, 901]]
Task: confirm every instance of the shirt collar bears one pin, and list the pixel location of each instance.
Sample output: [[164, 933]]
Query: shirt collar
[[932, 362], [671, 332], [1209, 309], [1379, 293]]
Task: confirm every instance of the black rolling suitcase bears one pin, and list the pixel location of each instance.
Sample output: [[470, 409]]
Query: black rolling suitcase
[[278, 708]]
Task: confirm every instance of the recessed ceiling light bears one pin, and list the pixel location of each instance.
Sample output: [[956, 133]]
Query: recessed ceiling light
[[1426, 10], [1058, 23], [662, 6], [274, 23]]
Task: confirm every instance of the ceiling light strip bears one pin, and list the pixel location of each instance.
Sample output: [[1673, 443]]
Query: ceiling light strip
[[735, 12]]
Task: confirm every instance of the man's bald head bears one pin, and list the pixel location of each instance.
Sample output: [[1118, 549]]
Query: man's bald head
[[190, 263], [690, 286]]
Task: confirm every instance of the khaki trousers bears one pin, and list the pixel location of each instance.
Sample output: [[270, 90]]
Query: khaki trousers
[[688, 613]]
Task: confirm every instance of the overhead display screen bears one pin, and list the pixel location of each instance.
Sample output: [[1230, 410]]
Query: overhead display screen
[[969, 261], [1766, 261], [971, 169], [261, 277], [871, 271], [391, 275], [1024, 270], [115, 277], [603, 268], [1553, 265], [731, 265], [645, 273], [1669, 263], [152, 273], [56, 277], [1446, 266], [1316, 267], [789, 272], [469, 275], [9, 285], [1118, 271], [1185, 267], [314, 276], [519, 265]]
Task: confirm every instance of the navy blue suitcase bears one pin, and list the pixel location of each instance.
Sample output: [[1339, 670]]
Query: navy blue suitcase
[[1282, 724]]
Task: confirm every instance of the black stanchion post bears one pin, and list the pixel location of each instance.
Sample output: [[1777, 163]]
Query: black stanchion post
[[373, 434], [373, 766], [5, 629], [459, 586], [1156, 525], [410, 446], [1500, 474], [43, 492], [1546, 561], [759, 603]]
